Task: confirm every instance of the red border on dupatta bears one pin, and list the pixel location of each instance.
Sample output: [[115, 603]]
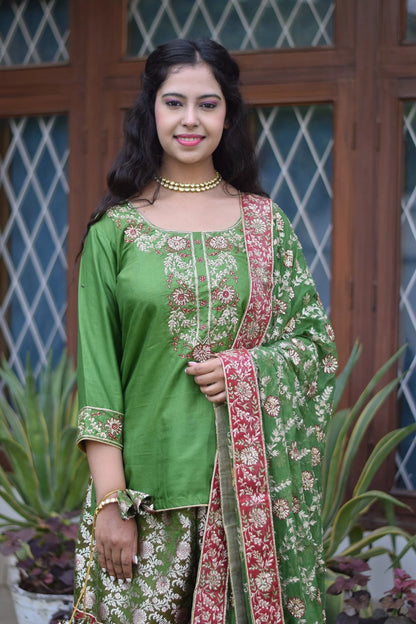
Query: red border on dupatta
[[210, 597], [249, 453], [86, 618]]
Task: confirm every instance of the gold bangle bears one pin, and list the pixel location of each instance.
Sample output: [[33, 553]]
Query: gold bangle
[[105, 501], [109, 494]]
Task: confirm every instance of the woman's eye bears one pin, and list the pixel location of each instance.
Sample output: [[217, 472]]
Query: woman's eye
[[208, 105], [173, 103]]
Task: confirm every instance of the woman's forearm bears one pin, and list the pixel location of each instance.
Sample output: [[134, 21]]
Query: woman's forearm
[[106, 466]]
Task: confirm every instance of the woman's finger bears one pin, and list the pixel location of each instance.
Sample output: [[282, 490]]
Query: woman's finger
[[126, 565], [108, 563], [213, 389], [221, 397], [202, 368], [101, 558], [117, 565], [105, 558], [206, 373], [208, 379]]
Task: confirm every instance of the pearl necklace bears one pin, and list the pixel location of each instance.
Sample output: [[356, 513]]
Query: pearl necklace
[[199, 187]]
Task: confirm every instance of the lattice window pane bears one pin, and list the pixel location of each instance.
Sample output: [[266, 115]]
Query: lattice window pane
[[410, 20], [34, 32], [406, 458], [294, 145], [34, 220], [236, 24]]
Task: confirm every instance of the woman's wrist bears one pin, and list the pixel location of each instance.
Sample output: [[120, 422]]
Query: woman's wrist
[[106, 501], [111, 494], [102, 490]]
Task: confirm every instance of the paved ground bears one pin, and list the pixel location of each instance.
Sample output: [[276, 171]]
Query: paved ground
[[7, 615]]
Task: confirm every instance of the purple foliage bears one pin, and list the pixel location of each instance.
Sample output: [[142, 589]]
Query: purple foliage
[[400, 600], [44, 556]]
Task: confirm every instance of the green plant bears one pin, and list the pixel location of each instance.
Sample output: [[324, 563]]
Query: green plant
[[341, 517], [48, 474]]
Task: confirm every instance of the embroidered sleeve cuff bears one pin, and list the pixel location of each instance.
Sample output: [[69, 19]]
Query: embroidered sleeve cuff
[[102, 425]]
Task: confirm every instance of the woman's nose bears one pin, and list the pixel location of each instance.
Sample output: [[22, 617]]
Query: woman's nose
[[190, 117]]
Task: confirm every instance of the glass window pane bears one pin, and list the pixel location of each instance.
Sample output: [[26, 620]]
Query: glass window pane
[[410, 20], [34, 224], [236, 24], [33, 32], [406, 458], [294, 146]]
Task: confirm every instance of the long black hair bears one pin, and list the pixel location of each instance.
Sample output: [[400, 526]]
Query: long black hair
[[140, 157]]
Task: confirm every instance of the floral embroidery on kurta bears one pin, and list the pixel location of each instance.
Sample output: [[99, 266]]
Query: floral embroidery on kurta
[[202, 278]]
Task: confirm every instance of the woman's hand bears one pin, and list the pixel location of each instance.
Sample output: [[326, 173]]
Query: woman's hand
[[209, 376], [116, 542], [116, 539]]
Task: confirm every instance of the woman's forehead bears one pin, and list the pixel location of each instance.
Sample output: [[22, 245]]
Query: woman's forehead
[[191, 77]]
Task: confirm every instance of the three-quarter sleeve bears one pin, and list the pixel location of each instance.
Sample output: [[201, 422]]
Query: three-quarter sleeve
[[99, 340]]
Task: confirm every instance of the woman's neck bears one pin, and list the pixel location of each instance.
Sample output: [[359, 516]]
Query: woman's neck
[[188, 174]]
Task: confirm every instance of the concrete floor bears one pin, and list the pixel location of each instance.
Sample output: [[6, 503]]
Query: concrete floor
[[7, 615]]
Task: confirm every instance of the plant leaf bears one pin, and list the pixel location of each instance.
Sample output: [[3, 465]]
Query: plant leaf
[[350, 513], [342, 379], [49, 474], [380, 452], [361, 549], [355, 438]]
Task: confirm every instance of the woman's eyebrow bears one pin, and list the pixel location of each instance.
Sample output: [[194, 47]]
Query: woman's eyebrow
[[200, 97]]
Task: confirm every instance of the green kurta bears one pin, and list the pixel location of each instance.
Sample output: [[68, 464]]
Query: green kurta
[[151, 300]]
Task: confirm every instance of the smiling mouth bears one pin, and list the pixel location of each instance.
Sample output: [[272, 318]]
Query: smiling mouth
[[187, 139]]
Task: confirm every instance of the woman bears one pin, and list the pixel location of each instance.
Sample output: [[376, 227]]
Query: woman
[[205, 371]]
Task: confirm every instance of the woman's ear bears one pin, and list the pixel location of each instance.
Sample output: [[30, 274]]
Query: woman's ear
[[226, 124]]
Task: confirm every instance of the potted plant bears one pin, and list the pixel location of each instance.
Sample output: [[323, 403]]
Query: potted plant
[[342, 515], [397, 606], [44, 483], [44, 560]]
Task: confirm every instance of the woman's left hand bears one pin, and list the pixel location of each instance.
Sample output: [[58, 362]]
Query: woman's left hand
[[209, 376]]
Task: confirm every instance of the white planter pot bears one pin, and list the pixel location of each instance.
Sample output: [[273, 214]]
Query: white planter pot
[[34, 608], [12, 571]]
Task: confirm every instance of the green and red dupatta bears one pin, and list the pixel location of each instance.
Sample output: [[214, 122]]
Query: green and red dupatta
[[263, 532]]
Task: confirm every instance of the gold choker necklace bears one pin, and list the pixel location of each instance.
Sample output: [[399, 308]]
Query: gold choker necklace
[[189, 188]]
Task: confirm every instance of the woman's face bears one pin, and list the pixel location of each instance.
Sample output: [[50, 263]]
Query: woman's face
[[190, 112]]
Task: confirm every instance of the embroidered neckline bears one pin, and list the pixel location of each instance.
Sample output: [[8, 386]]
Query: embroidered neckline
[[149, 223]]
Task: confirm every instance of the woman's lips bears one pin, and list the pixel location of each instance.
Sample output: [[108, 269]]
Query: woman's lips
[[189, 139]]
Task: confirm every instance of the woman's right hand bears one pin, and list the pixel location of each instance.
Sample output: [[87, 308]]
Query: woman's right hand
[[116, 543], [116, 539]]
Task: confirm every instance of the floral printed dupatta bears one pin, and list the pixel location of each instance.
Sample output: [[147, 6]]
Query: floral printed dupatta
[[263, 530]]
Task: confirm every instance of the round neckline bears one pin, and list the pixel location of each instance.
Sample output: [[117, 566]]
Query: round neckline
[[187, 232]]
